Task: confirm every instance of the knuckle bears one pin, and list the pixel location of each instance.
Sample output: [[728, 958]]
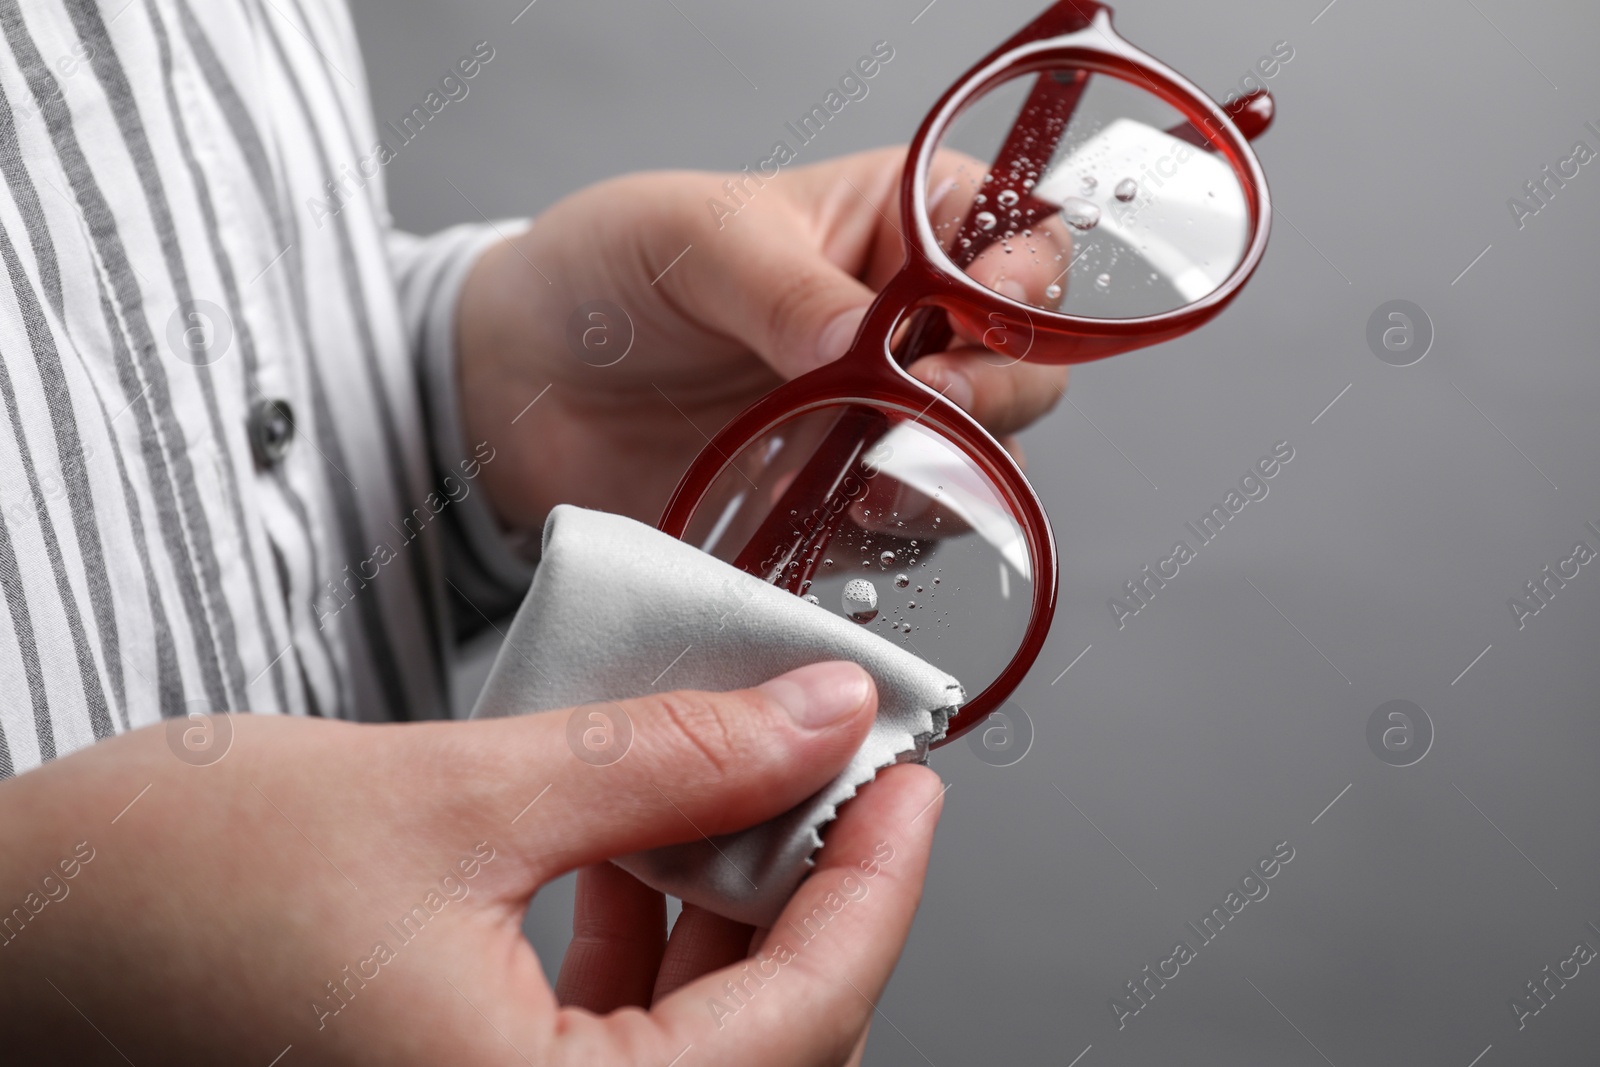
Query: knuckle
[[1019, 395], [1052, 398], [627, 1035], [797, 308], [702, 727], [1046, 388]]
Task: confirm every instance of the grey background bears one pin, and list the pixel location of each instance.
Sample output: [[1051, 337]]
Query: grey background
[[1210, 727]]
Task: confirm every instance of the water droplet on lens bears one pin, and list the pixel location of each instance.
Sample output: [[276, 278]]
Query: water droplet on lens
[[1090, 183], [980, 199], [910, 604], [860, 600], [827, 563], [886, 558], [1008, 198], [901, 581], [1080, 213], [1103, 282], [1052, 291], [1126, 190], [986, 220], [936, 581], [811, 598]]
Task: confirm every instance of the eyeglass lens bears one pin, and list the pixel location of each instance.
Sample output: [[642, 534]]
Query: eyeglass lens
[[1086, 194]]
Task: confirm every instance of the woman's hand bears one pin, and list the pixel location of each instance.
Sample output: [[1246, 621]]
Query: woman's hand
[[720, 308], [357, 891]]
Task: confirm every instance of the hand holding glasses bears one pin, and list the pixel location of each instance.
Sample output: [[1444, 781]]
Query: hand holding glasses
[[1119, 207]]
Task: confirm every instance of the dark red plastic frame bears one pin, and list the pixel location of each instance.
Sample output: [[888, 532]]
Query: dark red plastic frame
[[1071, 35]]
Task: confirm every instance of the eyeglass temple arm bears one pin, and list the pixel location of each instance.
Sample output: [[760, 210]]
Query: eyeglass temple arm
[[1251, 113], [817, 498]]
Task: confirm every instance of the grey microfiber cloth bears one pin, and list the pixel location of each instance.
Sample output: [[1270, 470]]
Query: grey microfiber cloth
[[618, 610]]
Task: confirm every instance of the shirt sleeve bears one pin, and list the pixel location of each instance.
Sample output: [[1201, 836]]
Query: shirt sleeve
[[489, 567]]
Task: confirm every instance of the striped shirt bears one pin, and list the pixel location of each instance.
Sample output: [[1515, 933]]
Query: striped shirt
[[232, 475]]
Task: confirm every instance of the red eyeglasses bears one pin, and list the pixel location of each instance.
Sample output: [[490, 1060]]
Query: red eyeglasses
[[1120, 207]]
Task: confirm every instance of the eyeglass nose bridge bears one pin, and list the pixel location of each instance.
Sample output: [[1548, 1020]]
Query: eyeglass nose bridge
[[910, 310], [920, 286]]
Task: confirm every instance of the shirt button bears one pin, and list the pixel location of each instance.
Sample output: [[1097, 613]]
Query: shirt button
[[271, 430]]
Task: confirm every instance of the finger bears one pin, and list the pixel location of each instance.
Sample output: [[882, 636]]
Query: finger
[[785, 284], [808, 992], [1014, 446], [1023, 263], [691, 765], [701, 941], [619, 931], [1005, 395], [861, 1048], [854, 202], [803, 266]]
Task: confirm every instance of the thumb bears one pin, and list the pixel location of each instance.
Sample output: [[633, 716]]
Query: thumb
[[672, 767], [785, 277], [792, 275], [781, 296]]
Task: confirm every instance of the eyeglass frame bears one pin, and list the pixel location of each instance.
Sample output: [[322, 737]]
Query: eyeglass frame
[[1072, 35]]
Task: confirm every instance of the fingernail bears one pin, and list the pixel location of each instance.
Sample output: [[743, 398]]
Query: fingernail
[[838, 334], [1012, 288], [821, 694], [958, 390], [951, 384]]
